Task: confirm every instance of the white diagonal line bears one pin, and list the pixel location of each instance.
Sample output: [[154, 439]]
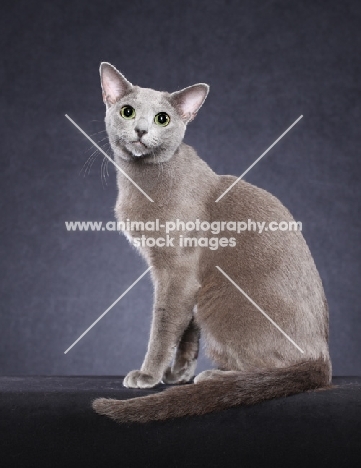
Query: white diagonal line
[[110, 159], [258, 159], [108, 309], [257, 307]]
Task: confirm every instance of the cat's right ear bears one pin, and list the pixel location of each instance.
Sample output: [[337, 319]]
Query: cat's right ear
[[189, 100], [114, 84]]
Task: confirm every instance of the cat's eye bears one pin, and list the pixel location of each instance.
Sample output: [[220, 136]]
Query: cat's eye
[[127, 112], [162, 119]]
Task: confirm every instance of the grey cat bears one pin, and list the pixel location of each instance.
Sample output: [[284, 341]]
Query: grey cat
[[255, 361]]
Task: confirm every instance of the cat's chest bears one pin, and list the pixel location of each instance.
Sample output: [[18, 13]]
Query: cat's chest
[[136, 207], [135, 210]]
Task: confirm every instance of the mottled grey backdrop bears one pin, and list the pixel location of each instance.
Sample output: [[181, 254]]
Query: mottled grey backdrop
[[267, 62]]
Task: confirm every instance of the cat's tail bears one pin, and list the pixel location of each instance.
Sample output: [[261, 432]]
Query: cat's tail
[[218, 393]]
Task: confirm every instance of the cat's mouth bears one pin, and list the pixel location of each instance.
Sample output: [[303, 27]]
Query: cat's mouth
[[137, 150], [139, 144]]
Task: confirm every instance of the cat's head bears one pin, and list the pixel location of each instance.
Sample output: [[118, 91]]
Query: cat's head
[[144, 124]]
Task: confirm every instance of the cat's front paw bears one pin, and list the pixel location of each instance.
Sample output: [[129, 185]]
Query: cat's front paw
[[139, 379], [171, 376]]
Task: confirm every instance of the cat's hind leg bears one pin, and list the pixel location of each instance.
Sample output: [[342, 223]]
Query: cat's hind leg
[[185, 361]]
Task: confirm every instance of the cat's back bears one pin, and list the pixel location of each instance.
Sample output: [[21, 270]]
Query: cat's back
[[245, 199], [268, 241]]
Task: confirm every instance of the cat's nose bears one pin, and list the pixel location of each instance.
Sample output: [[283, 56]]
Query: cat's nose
[[140, 132], [141, 127]]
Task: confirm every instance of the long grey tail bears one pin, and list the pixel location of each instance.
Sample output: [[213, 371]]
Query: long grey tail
[[214, 395]]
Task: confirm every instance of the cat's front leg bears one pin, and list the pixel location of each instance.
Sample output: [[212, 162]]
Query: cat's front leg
[[185, 361], [175, 297]]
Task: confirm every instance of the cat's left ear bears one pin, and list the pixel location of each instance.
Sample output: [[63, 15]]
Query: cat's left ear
[[114, 84], [189, 100]]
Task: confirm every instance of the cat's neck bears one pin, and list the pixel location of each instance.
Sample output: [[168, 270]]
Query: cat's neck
[[185, 178], [180, 170]]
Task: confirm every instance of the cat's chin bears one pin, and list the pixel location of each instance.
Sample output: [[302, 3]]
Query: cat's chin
[[134, 155], [142, 155], [137, 149]]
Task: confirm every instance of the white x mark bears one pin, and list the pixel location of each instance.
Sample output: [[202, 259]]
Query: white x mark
[[258, 159], [108, 309], [258, 307], [108, 157]]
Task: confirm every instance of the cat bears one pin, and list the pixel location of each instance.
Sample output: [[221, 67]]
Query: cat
[[255, 361]]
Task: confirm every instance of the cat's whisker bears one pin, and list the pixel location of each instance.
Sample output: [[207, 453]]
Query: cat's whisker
[[102, 174], [104, 171], [88, 163], [90, 148], [105, 145], [105, 138], [97, 133]]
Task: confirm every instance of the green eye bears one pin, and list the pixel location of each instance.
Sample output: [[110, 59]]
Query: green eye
[[127, 112], [162, 119]]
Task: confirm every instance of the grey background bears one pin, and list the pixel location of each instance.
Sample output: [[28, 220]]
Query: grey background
[[267, 62]]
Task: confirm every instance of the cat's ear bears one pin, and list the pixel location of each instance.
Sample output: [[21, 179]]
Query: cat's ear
[[114, 84], [189, 100]]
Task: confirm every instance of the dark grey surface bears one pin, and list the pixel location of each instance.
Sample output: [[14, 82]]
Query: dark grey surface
[[266, 62], [48, 421]]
